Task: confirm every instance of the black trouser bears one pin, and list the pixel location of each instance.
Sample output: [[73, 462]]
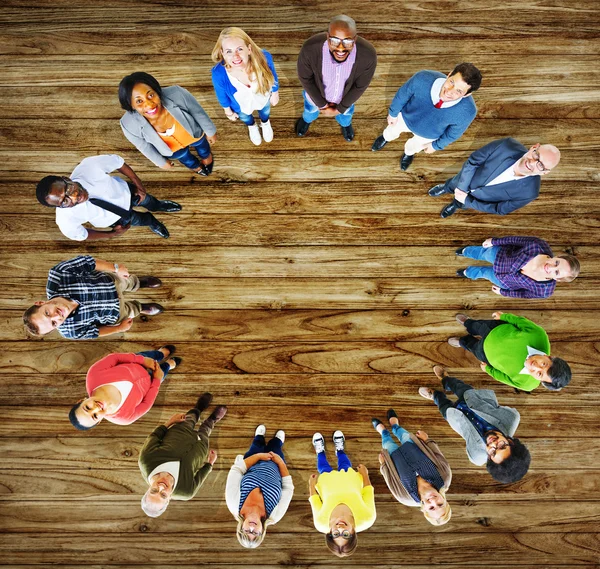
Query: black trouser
[[458, 387], [138, 218], [478, 328]]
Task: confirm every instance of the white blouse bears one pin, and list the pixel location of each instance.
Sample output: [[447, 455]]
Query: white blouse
[[247, 97]]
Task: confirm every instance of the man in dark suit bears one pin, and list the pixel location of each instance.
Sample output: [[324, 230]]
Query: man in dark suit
[[501, 177]]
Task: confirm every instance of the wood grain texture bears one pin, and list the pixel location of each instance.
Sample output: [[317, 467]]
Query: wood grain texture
[[309, 284]]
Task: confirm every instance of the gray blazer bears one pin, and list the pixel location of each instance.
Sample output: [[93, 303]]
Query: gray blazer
[[485, 404], [184, 108]]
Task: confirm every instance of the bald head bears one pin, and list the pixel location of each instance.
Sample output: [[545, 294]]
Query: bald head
[[549, 155], [344, 22]]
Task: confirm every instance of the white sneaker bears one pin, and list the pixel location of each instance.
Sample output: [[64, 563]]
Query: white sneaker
[[338, 441], [260, 430], [254, 134], [267, 131], [280, 435], [318, 443]]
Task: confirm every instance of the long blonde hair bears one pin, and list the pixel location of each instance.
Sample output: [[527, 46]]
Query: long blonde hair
[[447, 511], [243, 538], [257, 62]]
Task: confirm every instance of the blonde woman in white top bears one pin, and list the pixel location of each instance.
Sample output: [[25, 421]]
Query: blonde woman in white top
[[245, 81]]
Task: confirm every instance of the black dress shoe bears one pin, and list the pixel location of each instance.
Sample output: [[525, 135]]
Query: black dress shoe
[[460, 252], [150, 282], [170, 348], [348, 133], [391, 413], [209, 167], [152, 309], [406, 161], [301, 127], [379, 143], [438, 190], [461, 273], [169, 206], [204, 401], [158, 228], [448, 210]]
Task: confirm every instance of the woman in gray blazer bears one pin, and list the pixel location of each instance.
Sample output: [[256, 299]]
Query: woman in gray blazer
[[166, 123]]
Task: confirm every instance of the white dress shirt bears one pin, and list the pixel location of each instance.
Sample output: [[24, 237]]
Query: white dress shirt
[[531, 352], [93, 174]]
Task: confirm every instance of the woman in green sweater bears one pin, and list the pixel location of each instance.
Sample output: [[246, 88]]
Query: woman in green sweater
[[513, 350]]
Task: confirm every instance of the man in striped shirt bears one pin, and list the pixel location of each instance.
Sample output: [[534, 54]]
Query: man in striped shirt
[[85, 300], [335, 69]]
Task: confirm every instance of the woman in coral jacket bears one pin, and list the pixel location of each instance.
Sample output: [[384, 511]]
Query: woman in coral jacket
[[122, 387]]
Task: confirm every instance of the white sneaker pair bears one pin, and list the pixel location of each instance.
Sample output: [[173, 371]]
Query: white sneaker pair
[[261, 430], [267, 133], [338, 442]]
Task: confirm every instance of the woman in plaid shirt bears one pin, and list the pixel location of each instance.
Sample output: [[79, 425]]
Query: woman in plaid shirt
[[523, 267]]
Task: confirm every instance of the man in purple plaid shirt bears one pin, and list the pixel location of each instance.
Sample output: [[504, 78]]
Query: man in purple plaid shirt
[[523, 267]]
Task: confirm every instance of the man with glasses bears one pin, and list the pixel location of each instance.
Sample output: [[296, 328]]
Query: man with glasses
[[487, 428], [92, 196], [335, 69], [435, 108], [499, 178]]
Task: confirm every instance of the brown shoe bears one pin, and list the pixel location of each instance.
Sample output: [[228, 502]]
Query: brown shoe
[[204, 401], [152, 309], [440, 372], [462, 318], [150, 282], [454, 342], [218, 413]]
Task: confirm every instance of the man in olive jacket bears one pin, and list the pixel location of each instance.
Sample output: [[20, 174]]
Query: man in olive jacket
[[175, 459]]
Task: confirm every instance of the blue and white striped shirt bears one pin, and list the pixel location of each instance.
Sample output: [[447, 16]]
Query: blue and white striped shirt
[[266, 476], [95, 292]]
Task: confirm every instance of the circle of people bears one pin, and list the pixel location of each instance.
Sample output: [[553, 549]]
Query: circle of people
[[86, 296]]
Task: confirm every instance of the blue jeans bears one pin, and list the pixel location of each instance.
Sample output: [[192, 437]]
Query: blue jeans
[[259, 445], [482, 254], [311, 113], [324, 466], [157, 356], [186, 157], [263, 114], [387, 442]]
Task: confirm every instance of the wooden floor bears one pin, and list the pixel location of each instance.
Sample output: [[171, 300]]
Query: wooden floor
[[309, 284]]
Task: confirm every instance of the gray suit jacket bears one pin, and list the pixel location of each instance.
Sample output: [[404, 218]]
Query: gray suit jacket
[[485, 404], [483, 166], [184, 108]]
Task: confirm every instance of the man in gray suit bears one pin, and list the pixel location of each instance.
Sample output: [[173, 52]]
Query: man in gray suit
[[175, 459], [499, 178], [488, 428]]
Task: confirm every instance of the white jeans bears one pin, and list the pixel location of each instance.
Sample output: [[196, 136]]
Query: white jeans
[[413, 145]]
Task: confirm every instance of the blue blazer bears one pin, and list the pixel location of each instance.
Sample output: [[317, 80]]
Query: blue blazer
[[225, 90], [483, 166]]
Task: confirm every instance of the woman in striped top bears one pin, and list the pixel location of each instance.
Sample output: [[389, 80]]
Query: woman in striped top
[[259, 488], [522, 267], [416, 472]]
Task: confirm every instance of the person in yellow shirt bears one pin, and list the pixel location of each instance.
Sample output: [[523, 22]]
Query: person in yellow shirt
[[342, 500]]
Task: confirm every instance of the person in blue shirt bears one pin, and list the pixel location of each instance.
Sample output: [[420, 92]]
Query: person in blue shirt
[[435, 108], [245, 81]]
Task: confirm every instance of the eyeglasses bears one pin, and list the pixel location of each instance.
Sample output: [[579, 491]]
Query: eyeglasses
[[345, 534], [252, 532], [346, 42], [500, 445], [70, 189], [538, 163]]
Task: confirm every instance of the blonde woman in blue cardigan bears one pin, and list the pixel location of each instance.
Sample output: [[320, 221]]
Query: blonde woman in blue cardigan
[[245, 81]]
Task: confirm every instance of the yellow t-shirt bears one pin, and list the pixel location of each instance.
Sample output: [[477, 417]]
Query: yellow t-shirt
[[343, 487]]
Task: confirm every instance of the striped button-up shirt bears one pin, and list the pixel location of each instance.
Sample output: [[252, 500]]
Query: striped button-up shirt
[[336, 74], [94, 291], [514, 254]]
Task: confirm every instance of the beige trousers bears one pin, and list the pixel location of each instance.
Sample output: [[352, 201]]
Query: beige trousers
[[412, 145], [127, 308]]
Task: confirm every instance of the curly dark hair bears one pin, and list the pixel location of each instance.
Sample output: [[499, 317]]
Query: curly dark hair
[[512, 468]]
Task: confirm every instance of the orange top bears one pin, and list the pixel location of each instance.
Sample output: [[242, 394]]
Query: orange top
[[177, 137]]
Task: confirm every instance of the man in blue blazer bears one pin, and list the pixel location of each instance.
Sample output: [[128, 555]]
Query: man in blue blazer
[[501, 177]]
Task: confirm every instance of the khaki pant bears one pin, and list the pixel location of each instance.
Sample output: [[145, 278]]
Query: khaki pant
[[412, 145], [127, 308]]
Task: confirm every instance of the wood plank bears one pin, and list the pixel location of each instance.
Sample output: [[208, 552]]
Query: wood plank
[[328, 325], [359, 261]]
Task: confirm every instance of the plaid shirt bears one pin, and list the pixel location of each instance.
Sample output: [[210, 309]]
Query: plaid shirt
[[514, 254], [95, 291]]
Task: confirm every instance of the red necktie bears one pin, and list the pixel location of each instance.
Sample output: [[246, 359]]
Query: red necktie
[[438, 105]]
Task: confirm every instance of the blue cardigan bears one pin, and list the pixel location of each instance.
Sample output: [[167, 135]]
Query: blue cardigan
[[225, 90], [444, 125]]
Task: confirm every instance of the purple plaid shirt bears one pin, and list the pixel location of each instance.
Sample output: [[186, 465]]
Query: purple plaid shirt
[[514, 254]]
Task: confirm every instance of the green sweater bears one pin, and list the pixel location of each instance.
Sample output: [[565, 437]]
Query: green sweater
[[505, 348], [179, 442]]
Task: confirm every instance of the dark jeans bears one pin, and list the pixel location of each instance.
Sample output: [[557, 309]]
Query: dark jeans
[[186, 157], [478, 328], [157, 356], [457, 387], [138, 218], [324, 466], [259, 445]]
